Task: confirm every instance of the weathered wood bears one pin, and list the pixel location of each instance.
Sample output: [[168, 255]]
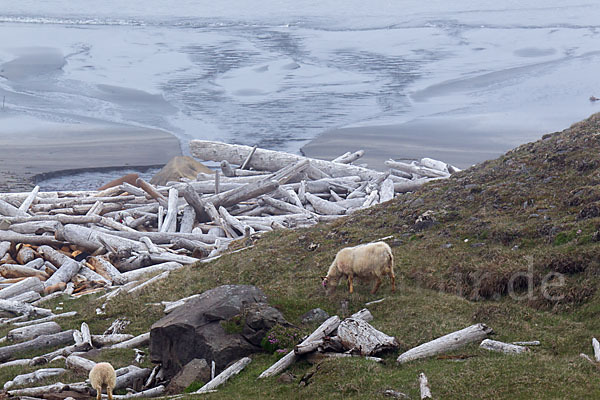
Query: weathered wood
[[53, 388], [140, 340], [96, 209], [33, 227], [33, 377], [386, 191], [359, 335], [29, 199], [324, 206], [134, 275], [14, 237], [27, 297], [56, 339], [106, 269], [451, 341], [220, 222], [316, 357], [435, 164], [79, 364], [227, 374], [596, 347], [19, 271], [30, 332], [151, 190], [282, 205], [187, 219], [363, 314], [324, 329], [161, 237], [61, 218], [18, 307], [26, 285], [148, 282], [4, 248], [170, 222], [9, 210], [153, 392], [49, 318], [424, 387], [494, 345], [409, 186], [269, 160], [348, 157], [528, 343], [248, 158], [92, 239], [413, 169], [234, 222], [67, 267], [105, 340]]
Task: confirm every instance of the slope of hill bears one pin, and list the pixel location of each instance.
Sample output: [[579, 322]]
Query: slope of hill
[[512, 242]]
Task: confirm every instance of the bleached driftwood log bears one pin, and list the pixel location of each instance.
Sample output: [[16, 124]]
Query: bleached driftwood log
[[324, 329], [316, 357], [269, 160], [596, 347], [30, 332], [134, 275], [49, 318], [92, 239], [79, 364], [452, 341], [105, 340], [133, 375], [56, 339], [10, 210], [424, 387], [37, 240], [148, 393], [40, 391], [324, 206], [528, 343], [67, 267], [17, 307], [224, 376], [19, 271], [26, 285], [348, 157], [106, 269], [494, 345], [35, 376], [413, 169], [358, 335], [170, 222], [151, 190], [140, 340]]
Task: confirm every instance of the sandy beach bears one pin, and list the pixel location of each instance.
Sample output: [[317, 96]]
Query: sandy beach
[[461, 142], [46, 148]]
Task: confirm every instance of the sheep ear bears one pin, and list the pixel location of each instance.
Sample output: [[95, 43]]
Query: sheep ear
[[323, 278]]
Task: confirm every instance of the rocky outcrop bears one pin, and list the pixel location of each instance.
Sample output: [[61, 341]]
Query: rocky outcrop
[[179, 167], [222, 324]]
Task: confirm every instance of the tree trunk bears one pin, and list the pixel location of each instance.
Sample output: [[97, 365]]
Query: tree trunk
[[269, 160], [323, 330], [30, 332], [452, 341], [79, 364], [356, 334], [67, 267], [141, 340], [224, 376], [35, 376], [26, 285], [42, 341]]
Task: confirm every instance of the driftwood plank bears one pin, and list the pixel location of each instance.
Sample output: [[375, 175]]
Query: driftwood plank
[[42, 341], [224, 376], [452, 341]]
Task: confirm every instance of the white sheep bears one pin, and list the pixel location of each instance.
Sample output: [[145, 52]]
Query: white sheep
[[366, 261], [103, 375]]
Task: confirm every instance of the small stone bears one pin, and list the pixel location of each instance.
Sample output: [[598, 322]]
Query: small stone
[[314, 315], [446, 246], [286, 377]]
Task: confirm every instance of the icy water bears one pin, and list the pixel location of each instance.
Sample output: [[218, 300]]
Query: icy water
[[278, 73]]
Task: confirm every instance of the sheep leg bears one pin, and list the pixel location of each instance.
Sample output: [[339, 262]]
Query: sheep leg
[[350, 284], [377, 284], [393, 278], [109, 392], [98, 393]]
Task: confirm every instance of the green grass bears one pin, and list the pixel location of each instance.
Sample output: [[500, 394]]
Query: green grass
[[508, 231]]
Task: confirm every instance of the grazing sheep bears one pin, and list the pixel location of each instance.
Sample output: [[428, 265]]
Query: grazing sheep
[[103, 375], [367, 261]]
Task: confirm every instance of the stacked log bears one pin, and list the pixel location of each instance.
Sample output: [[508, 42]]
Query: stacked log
[[83, 241]]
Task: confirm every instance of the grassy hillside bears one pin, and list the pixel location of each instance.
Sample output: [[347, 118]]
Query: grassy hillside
[[512, 242]]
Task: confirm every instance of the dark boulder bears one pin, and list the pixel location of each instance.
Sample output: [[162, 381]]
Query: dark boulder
[[222, 324]]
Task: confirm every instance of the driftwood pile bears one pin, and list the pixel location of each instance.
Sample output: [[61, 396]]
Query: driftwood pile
[[80, 242]]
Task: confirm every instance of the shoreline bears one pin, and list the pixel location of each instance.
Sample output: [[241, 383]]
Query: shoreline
[[46, 149]]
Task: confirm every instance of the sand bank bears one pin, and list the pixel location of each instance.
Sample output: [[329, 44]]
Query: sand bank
[[459, 141], [30, 148]]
